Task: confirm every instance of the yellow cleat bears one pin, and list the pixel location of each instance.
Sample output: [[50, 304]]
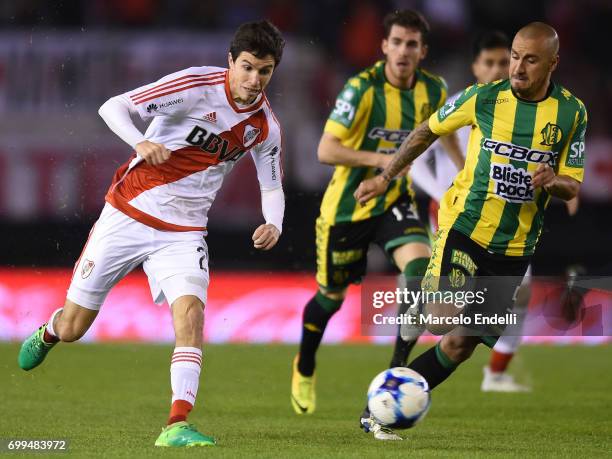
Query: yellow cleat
[[303, 397]]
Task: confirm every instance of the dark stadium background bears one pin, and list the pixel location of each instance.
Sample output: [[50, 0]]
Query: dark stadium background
[[60, 60]]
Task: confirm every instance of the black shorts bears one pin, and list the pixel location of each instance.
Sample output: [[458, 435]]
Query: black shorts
[[459, 263], [342, 248]]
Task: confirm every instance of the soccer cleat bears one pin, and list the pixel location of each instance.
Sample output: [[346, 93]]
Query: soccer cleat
[[183, 435], [34, 350], [500, 382], [369, 424], [303, 397]]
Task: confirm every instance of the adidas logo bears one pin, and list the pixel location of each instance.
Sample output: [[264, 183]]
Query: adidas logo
[[210, 117]]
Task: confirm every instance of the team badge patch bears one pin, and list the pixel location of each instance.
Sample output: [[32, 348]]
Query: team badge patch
[[551, 135], [87, 268], [459, 257], [250, 134], [456, 278]]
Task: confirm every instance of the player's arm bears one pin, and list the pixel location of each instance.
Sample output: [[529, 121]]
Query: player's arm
[[565, 182], [561, 186], [410, 149], [267, 158], [351, 111], [444, 121], [117, 113], [273, 208], [147, 102], [332, 152]]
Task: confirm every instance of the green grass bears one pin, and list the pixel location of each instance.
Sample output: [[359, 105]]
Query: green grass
[[112, 400]]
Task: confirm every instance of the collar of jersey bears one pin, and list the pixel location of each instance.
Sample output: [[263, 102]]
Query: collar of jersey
[[383, 77], [237, 109], [551, 88]]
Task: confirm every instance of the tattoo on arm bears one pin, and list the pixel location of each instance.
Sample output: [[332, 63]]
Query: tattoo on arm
[[410, 149]]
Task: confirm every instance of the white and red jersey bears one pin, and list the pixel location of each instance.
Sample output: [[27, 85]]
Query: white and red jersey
[[193, 114]]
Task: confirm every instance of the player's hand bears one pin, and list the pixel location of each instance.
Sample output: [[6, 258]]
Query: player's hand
[[370, 188], [543, 176], [152, 153], [265, 236]]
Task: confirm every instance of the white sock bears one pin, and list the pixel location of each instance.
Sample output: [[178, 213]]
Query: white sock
[[50, 328], [185, 373]]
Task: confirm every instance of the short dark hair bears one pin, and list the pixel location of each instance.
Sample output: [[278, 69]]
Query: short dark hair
[[492, 39], [407, 18], [261, 39]]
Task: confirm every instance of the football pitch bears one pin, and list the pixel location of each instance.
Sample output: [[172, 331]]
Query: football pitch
[[112, 400]]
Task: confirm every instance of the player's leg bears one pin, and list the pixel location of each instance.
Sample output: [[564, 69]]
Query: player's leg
[[66, 324], [456, 260], [438, 362], [412, 260], [113, 249], [317, 313], [341, 260], [178, 272], [405, 239], [495, 376], [186, 364], [452, 253], [185, 368]]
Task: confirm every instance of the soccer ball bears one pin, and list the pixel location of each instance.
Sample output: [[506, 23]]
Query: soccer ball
[[398, 398]]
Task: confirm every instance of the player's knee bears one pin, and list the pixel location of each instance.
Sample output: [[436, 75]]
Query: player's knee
[[336, 295], [459, 348]]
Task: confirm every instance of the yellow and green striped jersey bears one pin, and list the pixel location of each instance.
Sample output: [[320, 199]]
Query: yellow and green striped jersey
[[492, 200], [372, 115]]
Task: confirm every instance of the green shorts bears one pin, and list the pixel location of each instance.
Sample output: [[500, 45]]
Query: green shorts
[[342, 248], [459, 263]]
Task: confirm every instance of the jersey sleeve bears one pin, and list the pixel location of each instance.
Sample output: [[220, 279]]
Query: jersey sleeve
[[351, 108], [455, 114], [571, 160], [173, 94], [268, 160]]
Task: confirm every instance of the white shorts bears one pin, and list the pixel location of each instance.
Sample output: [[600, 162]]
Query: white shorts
[[176, 263]]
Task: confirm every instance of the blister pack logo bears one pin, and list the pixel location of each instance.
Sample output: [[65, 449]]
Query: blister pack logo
[[511, 184]]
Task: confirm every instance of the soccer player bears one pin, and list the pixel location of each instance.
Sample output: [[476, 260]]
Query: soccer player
[[490, 61], [202, 120], [526, 145], [373, 114]]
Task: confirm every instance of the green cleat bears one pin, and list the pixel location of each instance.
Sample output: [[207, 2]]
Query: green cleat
[[34, 350], [182, 434]]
